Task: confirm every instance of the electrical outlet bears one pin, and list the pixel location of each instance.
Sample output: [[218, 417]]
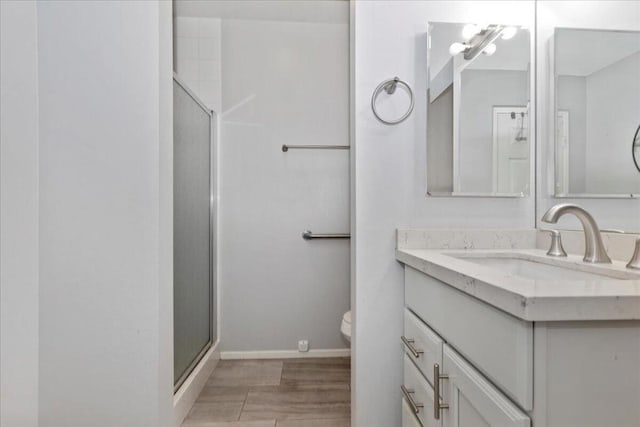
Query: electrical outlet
[[303, 345]]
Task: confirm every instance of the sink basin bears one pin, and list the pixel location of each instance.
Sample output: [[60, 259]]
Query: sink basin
[[539, 270]]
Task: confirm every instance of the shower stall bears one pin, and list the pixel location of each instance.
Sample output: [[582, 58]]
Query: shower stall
[[194, 234]]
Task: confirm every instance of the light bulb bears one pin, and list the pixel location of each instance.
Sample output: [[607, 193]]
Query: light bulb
[[490, 49], [509, 32], [456, 48], [470, 30]]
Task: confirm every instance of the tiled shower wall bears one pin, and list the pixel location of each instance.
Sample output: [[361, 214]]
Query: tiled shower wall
[[198, 56]]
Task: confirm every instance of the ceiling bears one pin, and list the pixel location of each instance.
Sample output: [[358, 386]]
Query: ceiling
[[583, 52], [321, 11]]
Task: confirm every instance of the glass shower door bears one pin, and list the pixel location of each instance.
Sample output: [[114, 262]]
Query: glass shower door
[[193, 231]]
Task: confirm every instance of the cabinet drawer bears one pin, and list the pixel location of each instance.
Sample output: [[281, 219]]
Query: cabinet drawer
[[408, 419], [421, 344], [472, 400], [421, 392], [498, 344]]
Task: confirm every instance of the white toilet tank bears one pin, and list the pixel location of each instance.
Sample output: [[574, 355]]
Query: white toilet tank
[[345, 327]]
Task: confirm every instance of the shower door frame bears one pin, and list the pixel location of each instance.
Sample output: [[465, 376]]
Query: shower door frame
[[213, 301]]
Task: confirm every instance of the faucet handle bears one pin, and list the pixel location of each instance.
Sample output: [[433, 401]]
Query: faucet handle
[[556, 248], [635, 259]]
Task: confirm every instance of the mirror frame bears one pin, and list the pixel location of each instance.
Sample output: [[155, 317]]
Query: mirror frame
[[635, 143]]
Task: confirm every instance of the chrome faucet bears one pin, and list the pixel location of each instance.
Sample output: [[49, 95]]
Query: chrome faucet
[[594, 251]]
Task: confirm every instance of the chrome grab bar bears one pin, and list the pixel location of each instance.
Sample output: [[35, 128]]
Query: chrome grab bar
[[286, 147], [309, 235]]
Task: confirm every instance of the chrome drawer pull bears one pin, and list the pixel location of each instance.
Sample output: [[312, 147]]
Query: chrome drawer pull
[[415, 407], [436, 391], [409, 343]]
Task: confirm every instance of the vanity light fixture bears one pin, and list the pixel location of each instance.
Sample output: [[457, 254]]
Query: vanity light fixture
[[470, 30], [456, 48], [509, 33], [490, 49], [480, 39]]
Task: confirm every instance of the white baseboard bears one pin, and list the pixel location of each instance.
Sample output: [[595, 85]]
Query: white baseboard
[[284, 354], [189, 391]]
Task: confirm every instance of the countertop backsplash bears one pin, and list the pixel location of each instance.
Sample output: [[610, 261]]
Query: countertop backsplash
[[465, 239], [619, 246]]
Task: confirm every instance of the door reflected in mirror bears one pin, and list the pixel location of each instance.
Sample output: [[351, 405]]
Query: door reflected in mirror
[[478, 121], [597, 104]]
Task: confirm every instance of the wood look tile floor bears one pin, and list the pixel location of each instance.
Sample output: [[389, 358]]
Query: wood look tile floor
[[275, 393]]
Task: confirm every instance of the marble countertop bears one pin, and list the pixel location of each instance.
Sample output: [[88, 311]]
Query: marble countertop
[[602, 298]]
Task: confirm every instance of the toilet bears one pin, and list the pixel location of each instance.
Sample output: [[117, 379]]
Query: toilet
[[345, 327]]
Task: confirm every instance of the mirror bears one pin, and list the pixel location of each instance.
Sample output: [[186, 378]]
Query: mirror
[[478, 114], [597, 105], [602, 19]]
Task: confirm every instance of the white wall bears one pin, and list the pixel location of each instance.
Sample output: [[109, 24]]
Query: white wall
[[610, 15], [572, 97], [440, 148], [388, 185], [481, 90], [283, 68], [603, 115], [197, 43], [18, 214], [166, 410], [283, 83], [105, 213], [613, 115]]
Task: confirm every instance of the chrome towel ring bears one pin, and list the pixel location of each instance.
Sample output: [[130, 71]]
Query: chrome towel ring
[[390, 86]]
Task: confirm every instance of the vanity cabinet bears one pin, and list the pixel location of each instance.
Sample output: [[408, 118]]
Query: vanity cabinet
[[500, 345], [472, 400], [418, 393], [498, 370]]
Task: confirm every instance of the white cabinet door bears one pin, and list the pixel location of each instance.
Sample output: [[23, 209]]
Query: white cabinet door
[[421, 344], [472, 400], [419, 391], [498, 344]]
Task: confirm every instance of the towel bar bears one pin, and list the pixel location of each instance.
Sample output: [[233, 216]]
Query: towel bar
[[286, 147], [309, 235]]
